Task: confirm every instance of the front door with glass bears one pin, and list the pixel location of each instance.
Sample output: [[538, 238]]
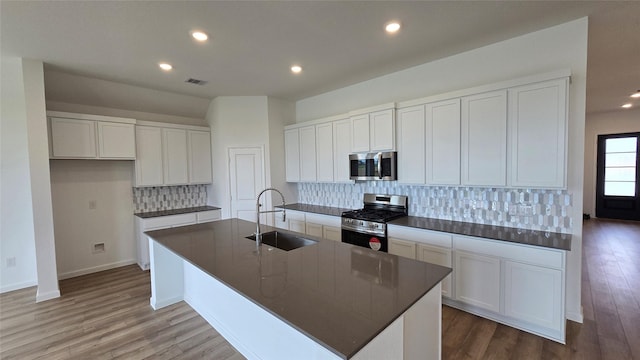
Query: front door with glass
[[617, 188]]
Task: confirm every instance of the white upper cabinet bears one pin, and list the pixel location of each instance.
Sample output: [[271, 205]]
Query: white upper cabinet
[[324, 152], [411, 145], [443, 142], [360, 133], [484, 139], [308, 153], [116, 141], [83, 136], [199, 157], [72, 138], [383, 131], [341, 150], [149, 168], [292, 155], [374, 131], [538, 123], [175, 157]]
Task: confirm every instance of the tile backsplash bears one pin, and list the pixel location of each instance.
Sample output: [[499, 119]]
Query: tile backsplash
[[534, 209], [146, 199]]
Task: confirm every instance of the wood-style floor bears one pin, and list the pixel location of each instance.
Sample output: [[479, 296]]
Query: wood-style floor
[[107, 316]]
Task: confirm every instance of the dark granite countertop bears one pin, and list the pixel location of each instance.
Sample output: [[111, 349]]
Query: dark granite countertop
[[339, 295], [316, 209], [515, 235], [152, 214]]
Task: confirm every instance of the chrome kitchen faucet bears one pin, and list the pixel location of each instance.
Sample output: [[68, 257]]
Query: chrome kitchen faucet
[[258, 212]]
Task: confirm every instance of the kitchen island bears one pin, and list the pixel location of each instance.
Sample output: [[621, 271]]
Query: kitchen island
[[328, 300]]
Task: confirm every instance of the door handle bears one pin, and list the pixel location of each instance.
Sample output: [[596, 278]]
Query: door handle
[[380, 165]]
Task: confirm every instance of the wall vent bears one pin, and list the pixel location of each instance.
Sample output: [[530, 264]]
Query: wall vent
[[195, 81]]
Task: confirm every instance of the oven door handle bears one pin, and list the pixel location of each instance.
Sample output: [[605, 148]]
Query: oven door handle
[[380, 165], [363, 231]]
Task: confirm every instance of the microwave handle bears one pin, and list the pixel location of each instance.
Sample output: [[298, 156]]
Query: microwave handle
[[380, 165]]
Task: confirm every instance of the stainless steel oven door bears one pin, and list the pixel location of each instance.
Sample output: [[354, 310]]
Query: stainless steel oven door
[[372, 241]]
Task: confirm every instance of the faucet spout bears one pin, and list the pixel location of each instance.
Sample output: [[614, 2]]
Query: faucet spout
[[258, 212]]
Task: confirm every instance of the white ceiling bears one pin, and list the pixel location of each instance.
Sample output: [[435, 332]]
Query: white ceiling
[[253, 43]]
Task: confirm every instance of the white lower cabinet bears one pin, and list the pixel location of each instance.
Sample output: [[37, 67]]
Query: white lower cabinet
[[313, 229], [533, 294], [402, 248], [439, 256], [518, 285], [297, 226], [332, 233], [165, 222], [478, 280]]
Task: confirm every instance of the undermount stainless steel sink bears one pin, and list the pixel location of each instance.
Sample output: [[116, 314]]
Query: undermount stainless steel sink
[[284, 241]]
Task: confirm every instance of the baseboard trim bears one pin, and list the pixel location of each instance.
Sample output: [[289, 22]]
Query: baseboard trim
[[18, 286], [576, 316], [47, 296], [90, 270]]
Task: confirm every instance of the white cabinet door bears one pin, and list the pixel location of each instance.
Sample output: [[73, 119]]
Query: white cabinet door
[[534, 294], [308, 153], [477, 280], [199, 157], [297, 226], [484, 139], [332, 233], [360, 133], [382, 129], [72, 138], [208, 216], [292, 155], [313, 229], [175, 157], [411, 145], [443, 142], [116, 140], [149, 156], [324, 152], [439, 256], [341, 150], [538, 131], [402, 248]]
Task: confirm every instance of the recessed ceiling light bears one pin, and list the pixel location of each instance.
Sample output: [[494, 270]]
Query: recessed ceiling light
[[392, 27], [296, 69], [636, 94], [165, 66], [626, 106], [200, 36]]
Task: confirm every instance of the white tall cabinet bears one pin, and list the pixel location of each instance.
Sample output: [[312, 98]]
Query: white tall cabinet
[[538, 133], [308, 153], [341, 150], [174, 152], [484, 139], [292, 154], [324, 152], [443, 142], [374, 130], [411, 145], [149, 168], [199, 157]]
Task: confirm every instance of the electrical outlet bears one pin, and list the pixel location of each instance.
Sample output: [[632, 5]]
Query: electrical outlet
[[98, 248], [92, 204], [11, 262]]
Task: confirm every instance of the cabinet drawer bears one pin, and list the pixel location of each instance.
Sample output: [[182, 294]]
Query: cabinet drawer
[[323, 219], [169, 221], [207, 216], [521, 253], [295, 215], [420, 236]]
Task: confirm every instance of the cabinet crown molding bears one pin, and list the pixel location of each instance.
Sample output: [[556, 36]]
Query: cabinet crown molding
[[172, 126], [69, 115]]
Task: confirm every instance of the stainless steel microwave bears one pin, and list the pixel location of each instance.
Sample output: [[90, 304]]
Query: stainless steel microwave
[[373, 166]]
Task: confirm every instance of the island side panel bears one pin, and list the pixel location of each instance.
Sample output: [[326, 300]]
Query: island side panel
[[423, 327], [253, 331], [167, 276]]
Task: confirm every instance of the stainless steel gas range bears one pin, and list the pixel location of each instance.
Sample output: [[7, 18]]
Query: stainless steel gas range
[[367, 227]]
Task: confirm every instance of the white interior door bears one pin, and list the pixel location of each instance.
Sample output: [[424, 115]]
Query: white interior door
[[246, 177]]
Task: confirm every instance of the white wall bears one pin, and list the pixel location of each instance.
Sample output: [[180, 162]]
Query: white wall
[[33, 77], [76, 183], [281, 114], [618, 122], [16, 212], [138, 115], [76, 89], [559, 47], [247, 121]]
